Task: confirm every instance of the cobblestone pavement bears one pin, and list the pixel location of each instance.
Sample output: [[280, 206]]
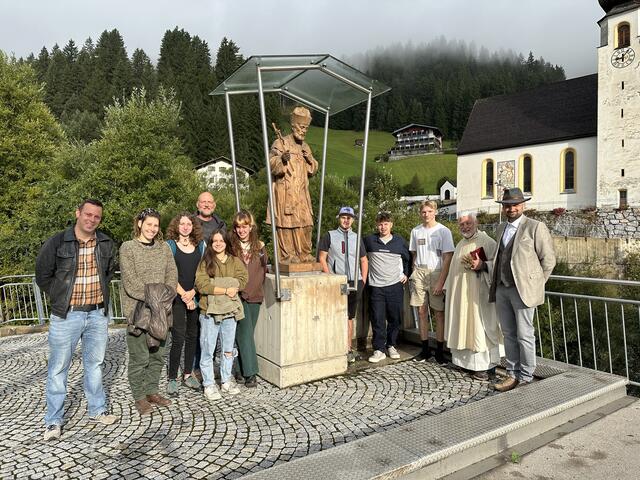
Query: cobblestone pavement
[[194, 438]]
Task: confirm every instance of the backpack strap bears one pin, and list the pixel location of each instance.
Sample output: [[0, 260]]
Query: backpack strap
[[172, 246]]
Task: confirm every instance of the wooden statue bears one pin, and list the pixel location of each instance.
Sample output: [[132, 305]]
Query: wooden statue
[[292, 163]]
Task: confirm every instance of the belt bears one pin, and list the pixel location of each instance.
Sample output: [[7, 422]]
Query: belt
[[86, 308]]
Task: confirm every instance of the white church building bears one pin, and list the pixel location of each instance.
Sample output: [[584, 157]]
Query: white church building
[[573, 144]]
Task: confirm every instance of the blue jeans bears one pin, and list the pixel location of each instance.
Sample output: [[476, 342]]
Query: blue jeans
[[209, 331], [64, 335]]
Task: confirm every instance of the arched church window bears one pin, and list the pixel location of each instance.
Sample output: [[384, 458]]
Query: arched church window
[[623, 32], [568, 171], [526, 173], [487, 178]]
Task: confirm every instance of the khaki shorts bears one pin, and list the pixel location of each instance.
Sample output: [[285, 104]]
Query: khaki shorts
[[422, 283]]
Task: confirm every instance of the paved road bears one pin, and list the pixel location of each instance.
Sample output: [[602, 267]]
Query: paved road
[[194, 438], [608, 448]]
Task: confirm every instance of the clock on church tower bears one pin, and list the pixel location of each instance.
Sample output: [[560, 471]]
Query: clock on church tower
[[618, 165]]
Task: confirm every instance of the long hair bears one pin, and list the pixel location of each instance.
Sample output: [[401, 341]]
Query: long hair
[[210, 260], [147, 212], [244, 217], [173, 230]]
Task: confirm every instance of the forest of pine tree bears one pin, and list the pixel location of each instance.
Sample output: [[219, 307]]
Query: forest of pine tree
[[434, 84]]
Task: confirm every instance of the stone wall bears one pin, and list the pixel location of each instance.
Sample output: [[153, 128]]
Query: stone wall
[[602, 223]]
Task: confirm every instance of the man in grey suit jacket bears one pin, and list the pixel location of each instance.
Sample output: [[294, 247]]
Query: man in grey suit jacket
[[519, 270]]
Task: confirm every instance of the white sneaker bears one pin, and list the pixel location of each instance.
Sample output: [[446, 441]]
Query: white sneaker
[[377, 356], [393, 353], [104, 418], [230, 388], [211, 393], [52, 432]]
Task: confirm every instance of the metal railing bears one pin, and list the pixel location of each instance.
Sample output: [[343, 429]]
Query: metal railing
[[23, 303], [594, 331]]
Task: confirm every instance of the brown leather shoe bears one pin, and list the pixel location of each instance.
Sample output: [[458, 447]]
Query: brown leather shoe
[[143, 407], [507, 384], [158, 400]]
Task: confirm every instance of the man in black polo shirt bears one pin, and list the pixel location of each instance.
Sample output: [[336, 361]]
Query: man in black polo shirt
[[389, 259]]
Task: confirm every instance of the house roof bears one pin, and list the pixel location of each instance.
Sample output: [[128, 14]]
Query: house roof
[[554, 112], [417, 125], [222, 158]]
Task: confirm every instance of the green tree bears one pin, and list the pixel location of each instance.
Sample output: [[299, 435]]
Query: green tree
[[414, 187], [110, 73], [144, 73], [138, 162], [29, 138]]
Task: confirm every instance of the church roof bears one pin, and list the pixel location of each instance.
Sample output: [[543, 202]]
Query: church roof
[[554, 112], [615, 7]]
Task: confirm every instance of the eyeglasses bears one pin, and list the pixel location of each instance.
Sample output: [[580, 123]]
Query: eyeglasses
[[147, 212]]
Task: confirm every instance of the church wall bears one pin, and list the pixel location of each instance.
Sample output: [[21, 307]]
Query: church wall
[[546, 171], [618, 119]]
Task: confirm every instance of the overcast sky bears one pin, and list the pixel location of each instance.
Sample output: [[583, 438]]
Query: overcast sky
[[564, 32]]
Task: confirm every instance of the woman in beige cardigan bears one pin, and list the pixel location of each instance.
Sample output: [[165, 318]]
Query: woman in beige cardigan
[[219, 277]]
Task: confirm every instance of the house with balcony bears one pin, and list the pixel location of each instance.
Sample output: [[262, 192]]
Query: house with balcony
[[416, 139], [219, 171]]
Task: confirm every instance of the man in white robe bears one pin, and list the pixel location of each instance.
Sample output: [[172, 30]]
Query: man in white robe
[[472, 330]]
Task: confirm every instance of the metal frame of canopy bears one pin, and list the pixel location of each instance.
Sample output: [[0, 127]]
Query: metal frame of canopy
[[338, 88]]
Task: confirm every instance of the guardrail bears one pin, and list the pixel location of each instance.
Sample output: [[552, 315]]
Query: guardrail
[[22, 301], [595, 331]]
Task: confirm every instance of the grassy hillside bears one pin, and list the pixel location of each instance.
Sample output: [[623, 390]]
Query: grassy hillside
[[345, 159]]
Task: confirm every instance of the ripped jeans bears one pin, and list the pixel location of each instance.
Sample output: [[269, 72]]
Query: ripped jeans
[[209, 331]]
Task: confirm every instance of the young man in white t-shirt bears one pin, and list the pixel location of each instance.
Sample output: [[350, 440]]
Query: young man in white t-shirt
[[431, 246]]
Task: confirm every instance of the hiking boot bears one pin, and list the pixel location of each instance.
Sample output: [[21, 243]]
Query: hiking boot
[[229, 388], [377, 356], [393, 353], [52, 432], [158, 400], [143, 407], [192, 382], [507, 384], [172, 388], [211, 393], [251, 382], [104, 418]]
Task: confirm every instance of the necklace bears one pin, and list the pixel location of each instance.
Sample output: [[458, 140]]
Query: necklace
[[185, 241]]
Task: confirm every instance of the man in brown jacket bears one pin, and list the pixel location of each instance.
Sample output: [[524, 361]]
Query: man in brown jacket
[[519, 269]]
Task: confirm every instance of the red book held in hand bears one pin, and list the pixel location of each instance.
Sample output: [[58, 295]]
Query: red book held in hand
[[478, 253]]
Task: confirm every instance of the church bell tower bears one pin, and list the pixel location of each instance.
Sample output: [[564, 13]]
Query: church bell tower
[[618, 166]]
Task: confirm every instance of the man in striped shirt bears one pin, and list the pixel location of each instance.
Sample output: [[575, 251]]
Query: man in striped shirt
[[388, 272], [74, 268]]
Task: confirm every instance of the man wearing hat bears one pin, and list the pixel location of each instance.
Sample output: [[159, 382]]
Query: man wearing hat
[[337, 254], [519, 269], [292, 163]]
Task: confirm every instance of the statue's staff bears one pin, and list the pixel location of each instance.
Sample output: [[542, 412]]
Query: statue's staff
[[286, 155]]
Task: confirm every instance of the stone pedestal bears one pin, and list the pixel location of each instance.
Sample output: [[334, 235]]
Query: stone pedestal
[[302, 339]]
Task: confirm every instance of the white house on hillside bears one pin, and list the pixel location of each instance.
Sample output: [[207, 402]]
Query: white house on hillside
[[571, 144], [219, 171]]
